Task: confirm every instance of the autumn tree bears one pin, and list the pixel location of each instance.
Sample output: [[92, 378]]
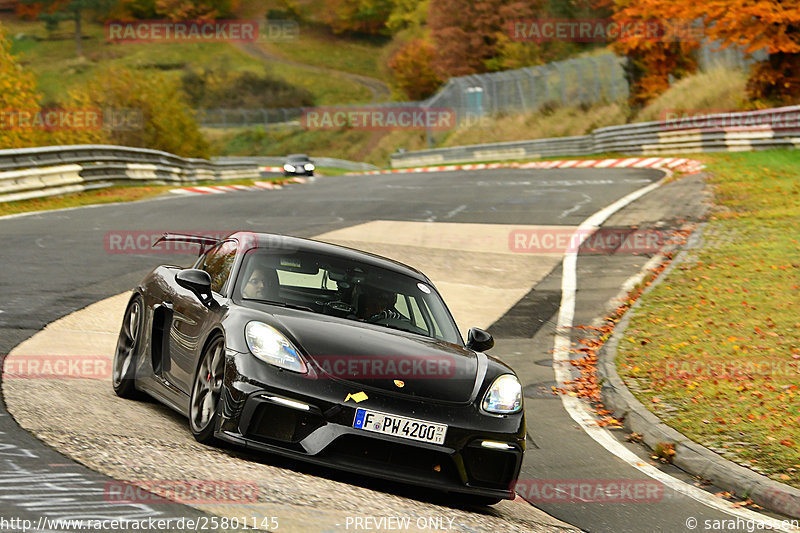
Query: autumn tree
[[466, 33], [178, 9], [413, 71], [655, 56], [408, 15], [21, 115], [773, 25], [17, 94], [166, 122], [53, 12], [195, 9], [357, 16]]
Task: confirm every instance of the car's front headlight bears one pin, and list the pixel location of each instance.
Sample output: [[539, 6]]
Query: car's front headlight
[[269, 345], [288, 168], [309, 166], [504, 396]]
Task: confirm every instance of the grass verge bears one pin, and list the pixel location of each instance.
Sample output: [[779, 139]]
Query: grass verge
[[97, 196], [317, 46], [714, 350]]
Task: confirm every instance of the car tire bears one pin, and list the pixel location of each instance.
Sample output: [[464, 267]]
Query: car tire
[[123, 368], [207, 384]]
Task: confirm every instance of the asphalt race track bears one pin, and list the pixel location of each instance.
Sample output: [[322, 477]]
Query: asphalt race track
[[59, 262]]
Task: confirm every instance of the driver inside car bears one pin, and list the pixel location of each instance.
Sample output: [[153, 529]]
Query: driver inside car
[[378, 304], [262, 284]]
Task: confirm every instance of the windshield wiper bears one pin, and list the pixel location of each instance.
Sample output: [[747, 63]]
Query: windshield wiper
[[282, 304]]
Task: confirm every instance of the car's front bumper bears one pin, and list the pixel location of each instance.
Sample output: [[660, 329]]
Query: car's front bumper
[[286, 413], [300, 172]]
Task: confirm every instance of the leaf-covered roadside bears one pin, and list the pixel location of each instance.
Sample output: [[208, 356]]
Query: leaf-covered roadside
[[714, 350]]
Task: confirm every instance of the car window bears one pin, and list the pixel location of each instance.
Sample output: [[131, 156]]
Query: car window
[[349, 289], [299, 279], [218, 263], [416, 315]]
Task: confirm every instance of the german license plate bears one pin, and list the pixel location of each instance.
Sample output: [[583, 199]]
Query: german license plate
[[400, 426]]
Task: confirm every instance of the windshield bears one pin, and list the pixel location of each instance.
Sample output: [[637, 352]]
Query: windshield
[[352, 290]]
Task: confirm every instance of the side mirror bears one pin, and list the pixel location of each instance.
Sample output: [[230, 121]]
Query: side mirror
[[479, 340], [197, 281]]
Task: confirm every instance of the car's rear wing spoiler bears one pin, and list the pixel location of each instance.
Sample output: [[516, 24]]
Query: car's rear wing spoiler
[[203, 241]]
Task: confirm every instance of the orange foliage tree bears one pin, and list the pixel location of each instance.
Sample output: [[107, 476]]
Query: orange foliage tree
[[654, 56], [357, 16], [17, 95], [413, 71], [22, 123], [773, 25], [194, 9], [467, 33], [753, 25]]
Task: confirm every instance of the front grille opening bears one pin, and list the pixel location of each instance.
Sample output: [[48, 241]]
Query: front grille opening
[[273, 422], [491, 468], [405, 459]]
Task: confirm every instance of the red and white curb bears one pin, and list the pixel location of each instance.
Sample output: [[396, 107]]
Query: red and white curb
[[221, 189], [679, 164], [688, 166], [212, 189]]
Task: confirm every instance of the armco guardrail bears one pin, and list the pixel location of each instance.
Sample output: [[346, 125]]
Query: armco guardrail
[[36, 172], [739, 131]]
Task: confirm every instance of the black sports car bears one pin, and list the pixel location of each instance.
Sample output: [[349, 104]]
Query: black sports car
[[328, 354], [298, 165]]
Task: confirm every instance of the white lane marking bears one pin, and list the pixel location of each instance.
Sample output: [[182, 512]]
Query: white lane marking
[[579, 410], [586, 199], [455, 211]]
